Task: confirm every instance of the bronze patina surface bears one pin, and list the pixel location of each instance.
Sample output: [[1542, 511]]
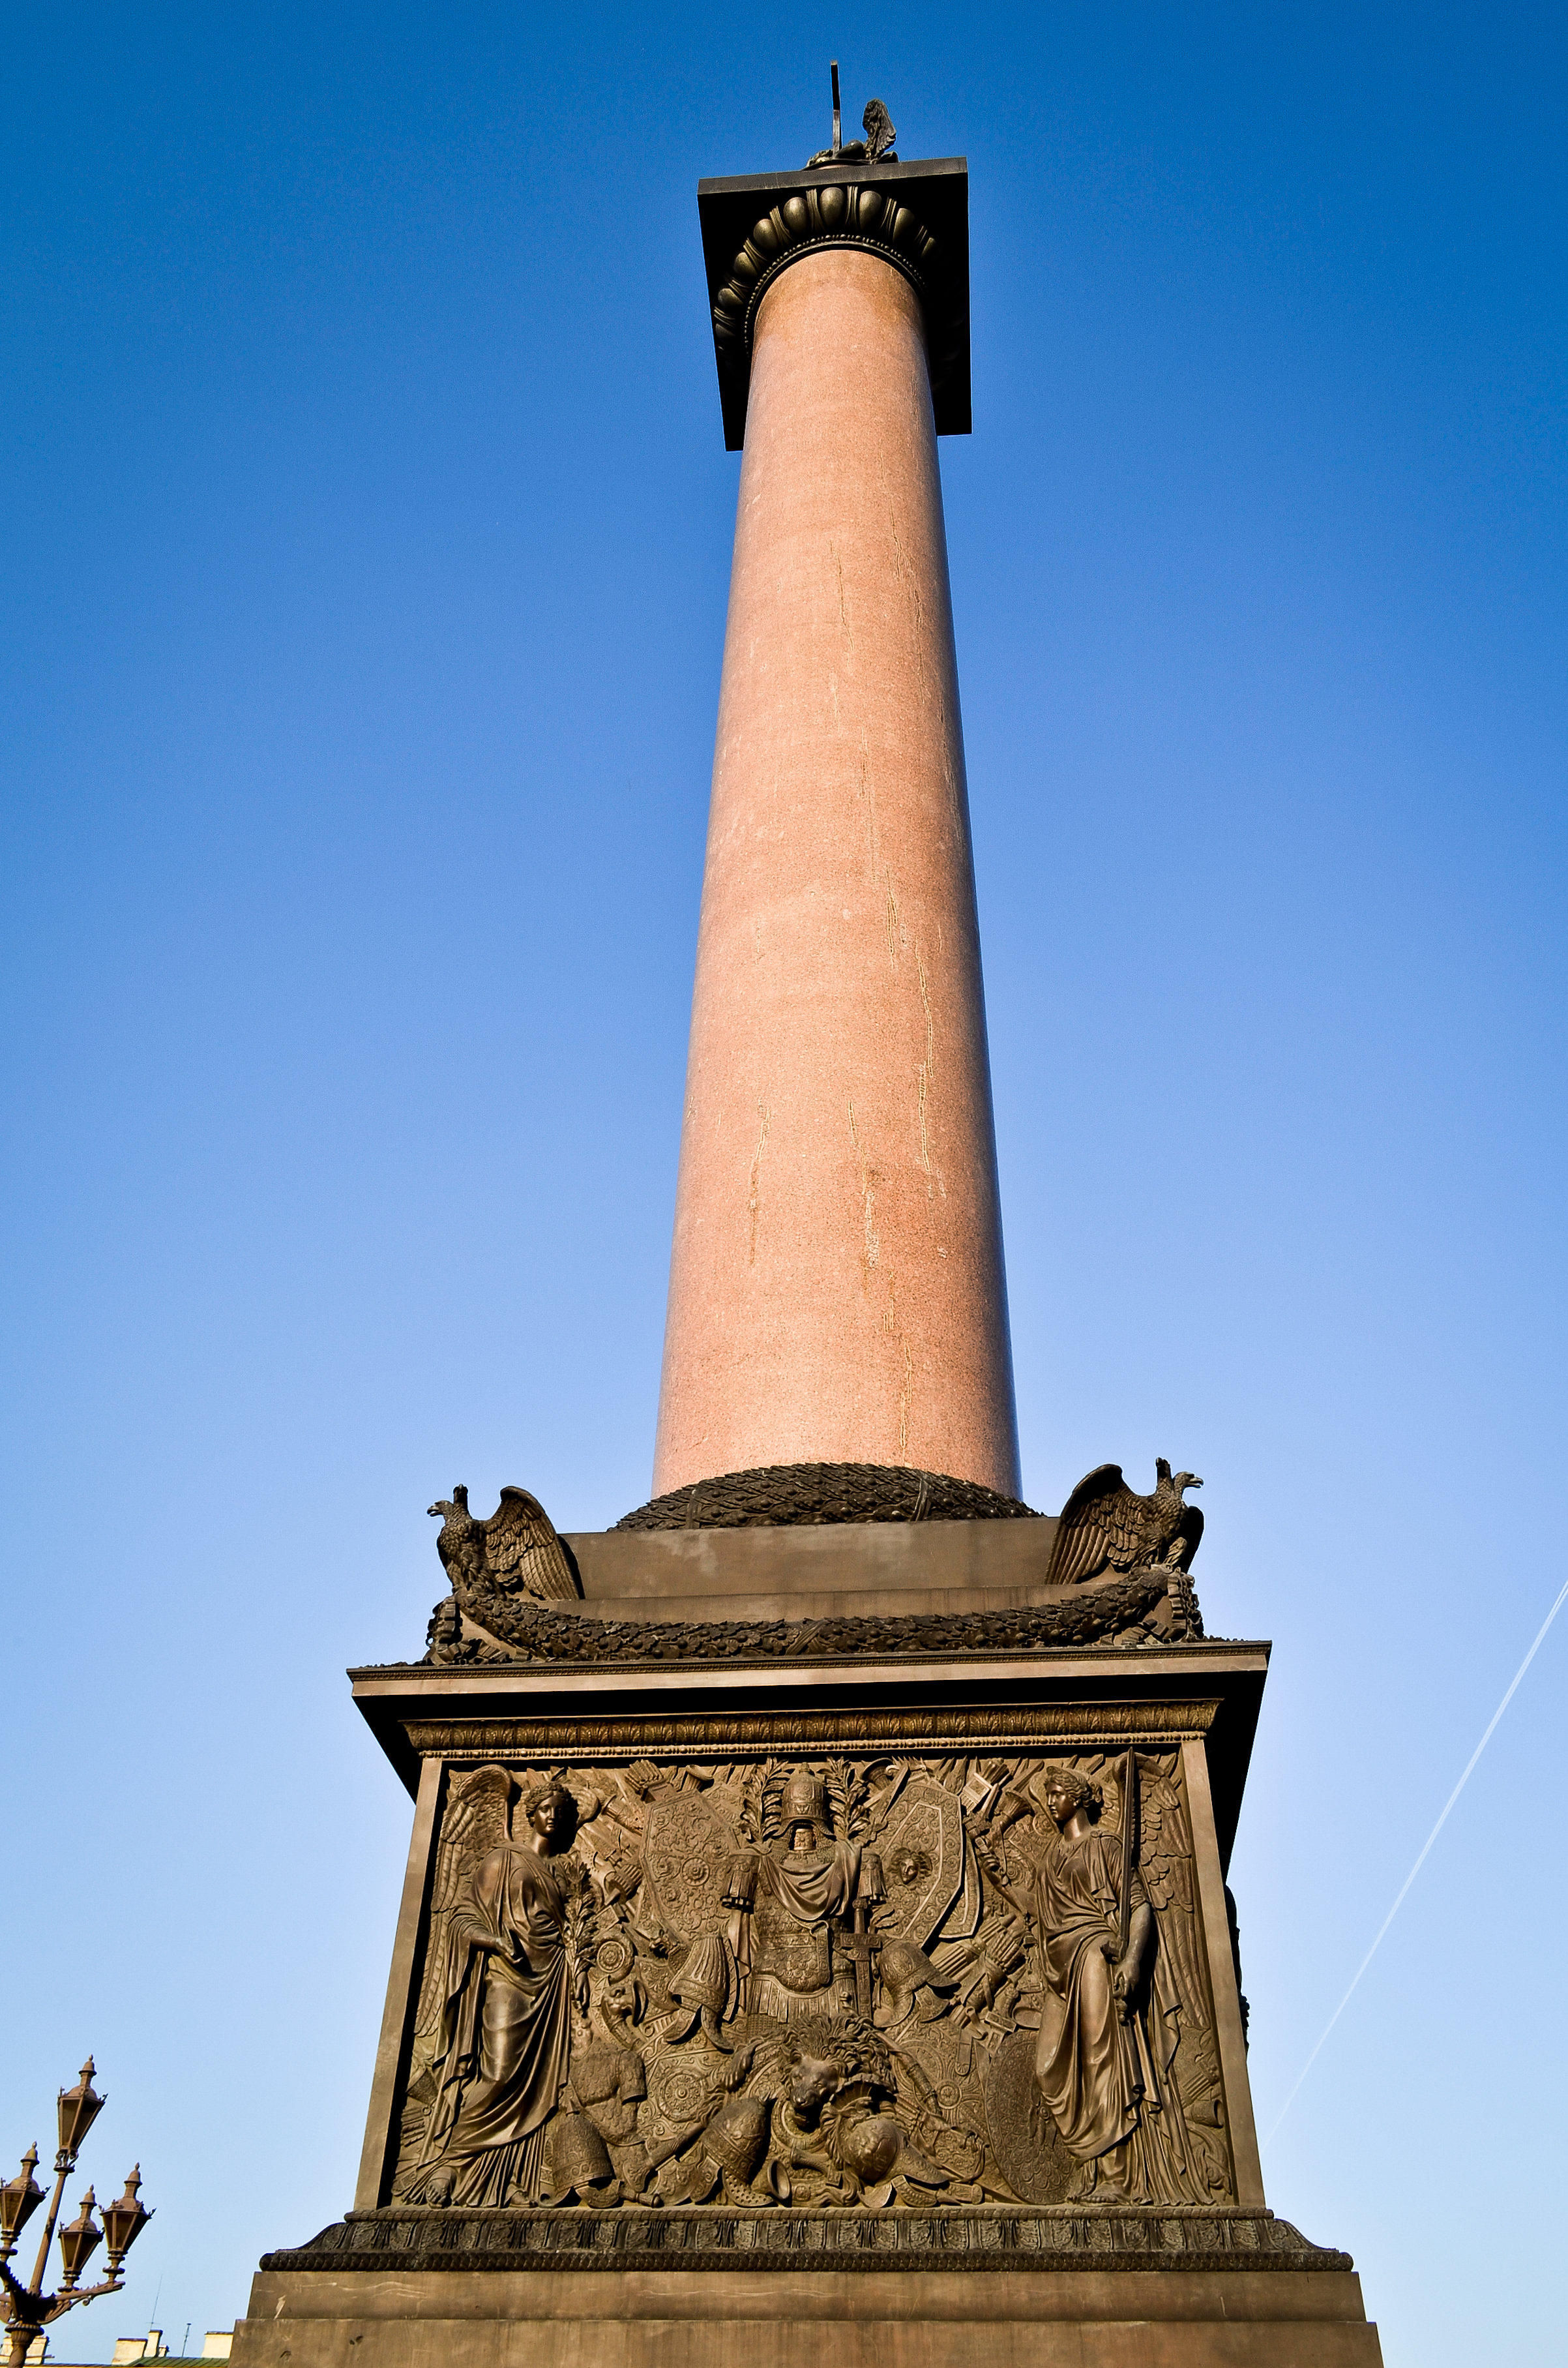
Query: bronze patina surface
[[913, 217]]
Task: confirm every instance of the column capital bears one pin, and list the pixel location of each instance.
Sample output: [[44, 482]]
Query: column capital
[[914, 216]]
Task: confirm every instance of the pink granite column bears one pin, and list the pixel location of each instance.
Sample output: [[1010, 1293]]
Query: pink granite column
[[836, 1287]]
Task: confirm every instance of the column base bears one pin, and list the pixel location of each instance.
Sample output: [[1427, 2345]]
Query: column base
[[1061, 2289]]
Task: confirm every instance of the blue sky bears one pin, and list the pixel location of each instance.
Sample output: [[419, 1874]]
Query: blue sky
[[367, 529]]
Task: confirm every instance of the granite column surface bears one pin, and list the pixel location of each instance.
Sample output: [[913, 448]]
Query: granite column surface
[[837, 1286]]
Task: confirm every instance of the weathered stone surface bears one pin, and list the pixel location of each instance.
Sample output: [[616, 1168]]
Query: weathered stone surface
[[993, 2239], [1104, 2315], [808, 1570]]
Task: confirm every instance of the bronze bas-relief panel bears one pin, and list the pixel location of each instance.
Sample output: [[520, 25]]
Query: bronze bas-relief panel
[[811, 1982]]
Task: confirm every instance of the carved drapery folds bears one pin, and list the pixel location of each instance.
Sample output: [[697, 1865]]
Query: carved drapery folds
[[800, 1983]]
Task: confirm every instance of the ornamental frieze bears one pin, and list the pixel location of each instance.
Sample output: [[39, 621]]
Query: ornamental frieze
[[1090, 1725], [813, 1984]]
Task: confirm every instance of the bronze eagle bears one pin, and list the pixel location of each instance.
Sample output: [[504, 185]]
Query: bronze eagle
[[516, 1552], [1105, 1521]]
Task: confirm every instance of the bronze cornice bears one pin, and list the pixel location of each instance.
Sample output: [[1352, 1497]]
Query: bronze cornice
[[914, 217], [1089, 1725], [866, 218]]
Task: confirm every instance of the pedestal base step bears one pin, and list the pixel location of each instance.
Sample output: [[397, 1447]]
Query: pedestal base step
[[1082, 2290]]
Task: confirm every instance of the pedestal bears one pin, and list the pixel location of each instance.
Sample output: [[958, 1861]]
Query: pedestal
[[797, 2021]]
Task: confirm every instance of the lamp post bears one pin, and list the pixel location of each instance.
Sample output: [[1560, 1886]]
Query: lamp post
[[27, 2308]]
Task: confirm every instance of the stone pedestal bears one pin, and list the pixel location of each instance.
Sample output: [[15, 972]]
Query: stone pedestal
[[688, 2195], [1120, 2315]]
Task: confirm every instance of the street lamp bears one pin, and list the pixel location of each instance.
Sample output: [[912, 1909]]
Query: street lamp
[[28, 2308]]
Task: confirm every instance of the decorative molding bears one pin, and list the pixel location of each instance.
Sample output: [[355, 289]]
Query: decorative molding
[[912, 216], [1141, 1608], [837, 215], [1088, 1725], [791, 1496], [1193, 2237]]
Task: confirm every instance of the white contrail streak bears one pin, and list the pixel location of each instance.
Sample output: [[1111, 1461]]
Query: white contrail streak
[[1404, 1886]]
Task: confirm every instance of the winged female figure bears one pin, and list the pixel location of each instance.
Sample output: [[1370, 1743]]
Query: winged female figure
[[501, 2058], [1109, 2013]]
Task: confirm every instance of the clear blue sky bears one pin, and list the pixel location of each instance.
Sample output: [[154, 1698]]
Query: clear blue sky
[[366, 531]]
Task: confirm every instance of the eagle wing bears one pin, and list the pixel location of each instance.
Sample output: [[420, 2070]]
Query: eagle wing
[[1103, 1521], [1164, 1847], [522, 1551]]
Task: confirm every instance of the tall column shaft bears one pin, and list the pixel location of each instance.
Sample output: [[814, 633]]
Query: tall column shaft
[[837, 1285]]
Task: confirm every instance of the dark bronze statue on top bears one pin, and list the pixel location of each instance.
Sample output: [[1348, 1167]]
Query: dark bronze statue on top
[[877, 146]]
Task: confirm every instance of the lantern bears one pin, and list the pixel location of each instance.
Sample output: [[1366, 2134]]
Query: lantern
[[124, 2221], [20, 2199], [79, 2109], [79, 2242]]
